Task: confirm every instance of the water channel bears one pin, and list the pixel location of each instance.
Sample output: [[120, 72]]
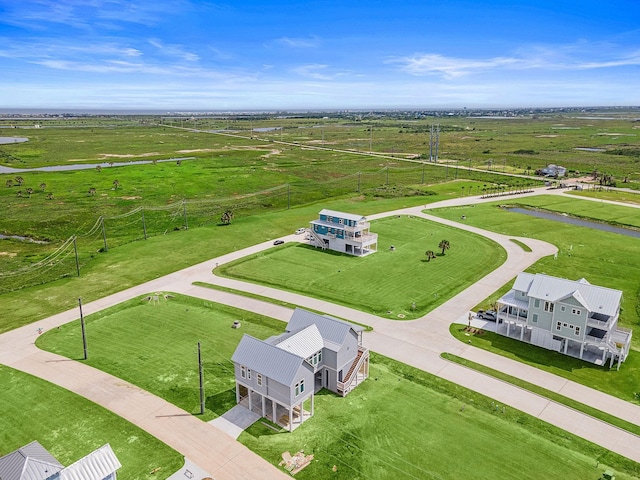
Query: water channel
[[576, 221], [87, 166]]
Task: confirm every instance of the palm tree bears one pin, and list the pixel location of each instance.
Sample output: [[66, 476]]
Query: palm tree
[[29, 191], [19, 180], [43, 186], [430, 255], [9, 183], [98, 168], [49, 196], [19, 193], [444, 245], [92, 191], [116, 184]]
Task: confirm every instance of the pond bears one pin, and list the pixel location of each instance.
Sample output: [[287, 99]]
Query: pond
[[558, 217], [86, 166], [6, 140]]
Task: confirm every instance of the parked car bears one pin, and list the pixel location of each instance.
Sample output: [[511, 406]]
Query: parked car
[[300, 231], [278, 242], [490, 315]]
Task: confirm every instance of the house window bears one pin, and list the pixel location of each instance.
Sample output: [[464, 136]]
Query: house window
[[577, 330], [536, 303], [329, 219], [562, 308], [315, 358], [535, 318], [243, 371], [548, 307], [248, 374], [259, 380], [340, 221], [299, 387], [564, 325], [575, 311], [558, 325]]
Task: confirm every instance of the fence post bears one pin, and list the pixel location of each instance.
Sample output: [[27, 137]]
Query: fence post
[[75, 249], [184, 213], [104, 235]]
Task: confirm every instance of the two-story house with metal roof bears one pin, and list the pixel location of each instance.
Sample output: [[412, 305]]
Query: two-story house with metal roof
[[278, 377], [343, 232], [571, 317]]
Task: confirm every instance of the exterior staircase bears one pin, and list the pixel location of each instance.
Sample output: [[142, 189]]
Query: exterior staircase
[[351, 378], [319, 242]]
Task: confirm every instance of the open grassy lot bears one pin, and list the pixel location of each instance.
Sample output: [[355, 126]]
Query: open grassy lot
[[133, 263], [71, 427], [154, 345], [374, 433], [386, 283], [404, 423], [608, 194]]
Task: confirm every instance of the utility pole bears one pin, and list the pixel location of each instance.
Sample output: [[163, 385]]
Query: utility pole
[[184, 213], [144, 225], [371, 139], [288, 196], [359, 181], [75, 249], [387, 174], [201, 375], [423, 173], [431, 144], [437, 141], [104, 235], [84, 334]]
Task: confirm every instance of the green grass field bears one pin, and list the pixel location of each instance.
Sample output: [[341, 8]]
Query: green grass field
[[71, 427], [374, 433], [386, 283], [138, 337]]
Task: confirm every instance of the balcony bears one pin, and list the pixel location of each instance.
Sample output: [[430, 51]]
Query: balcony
[[363, 239], [601, 322], [509, 317]]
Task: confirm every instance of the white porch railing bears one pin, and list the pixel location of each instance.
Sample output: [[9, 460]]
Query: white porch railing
[[317, 239]]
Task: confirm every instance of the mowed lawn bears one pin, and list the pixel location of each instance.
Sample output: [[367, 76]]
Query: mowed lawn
[[70, 427], [401, 423], [154, 345], [386, 283]]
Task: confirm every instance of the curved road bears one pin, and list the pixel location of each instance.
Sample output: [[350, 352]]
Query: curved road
[[418, 343]]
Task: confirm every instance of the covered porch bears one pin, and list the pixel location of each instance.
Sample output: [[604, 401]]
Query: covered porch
[[282, 415]]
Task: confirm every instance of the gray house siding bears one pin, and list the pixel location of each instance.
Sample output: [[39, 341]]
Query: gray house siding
[[305, 374], [347, 352]]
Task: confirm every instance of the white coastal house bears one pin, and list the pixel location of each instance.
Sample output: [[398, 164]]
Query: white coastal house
[[343, 232], [278, 377], [571, 317]]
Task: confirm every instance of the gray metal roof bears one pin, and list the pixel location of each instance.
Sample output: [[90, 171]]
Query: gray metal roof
[[348, 216], [331, 329], [267, 359], [98, 465], [510, 299], [594, 298], [303, 343], [31, 462]]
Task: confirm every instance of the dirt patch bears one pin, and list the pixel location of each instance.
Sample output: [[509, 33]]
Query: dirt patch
[[199, 150], [8, 254], [127, 155], [131, 198], [547, 136]]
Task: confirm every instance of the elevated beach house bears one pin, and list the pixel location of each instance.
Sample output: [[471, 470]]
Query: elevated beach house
[[571, 317], [278, 377], [343, 232], [34, 462]]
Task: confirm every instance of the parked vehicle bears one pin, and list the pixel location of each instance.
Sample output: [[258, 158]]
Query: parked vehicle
[[300, 231], [490, 315], [278, 242]]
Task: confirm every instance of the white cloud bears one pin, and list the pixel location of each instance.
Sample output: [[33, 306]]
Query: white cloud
[[174, 51], [310, 42]]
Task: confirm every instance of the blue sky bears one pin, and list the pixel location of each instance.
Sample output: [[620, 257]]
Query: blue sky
[[207, 55]]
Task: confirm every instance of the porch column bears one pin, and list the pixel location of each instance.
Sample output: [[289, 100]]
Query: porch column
[[290, 419], [521, 333], [566, 344], [313, 396], [250, 409], [508, 325], [604, 356], [581, 349], [273, 405], [263, 406], [237, 393]]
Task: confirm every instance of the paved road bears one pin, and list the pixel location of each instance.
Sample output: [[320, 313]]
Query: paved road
[[419, 343]]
